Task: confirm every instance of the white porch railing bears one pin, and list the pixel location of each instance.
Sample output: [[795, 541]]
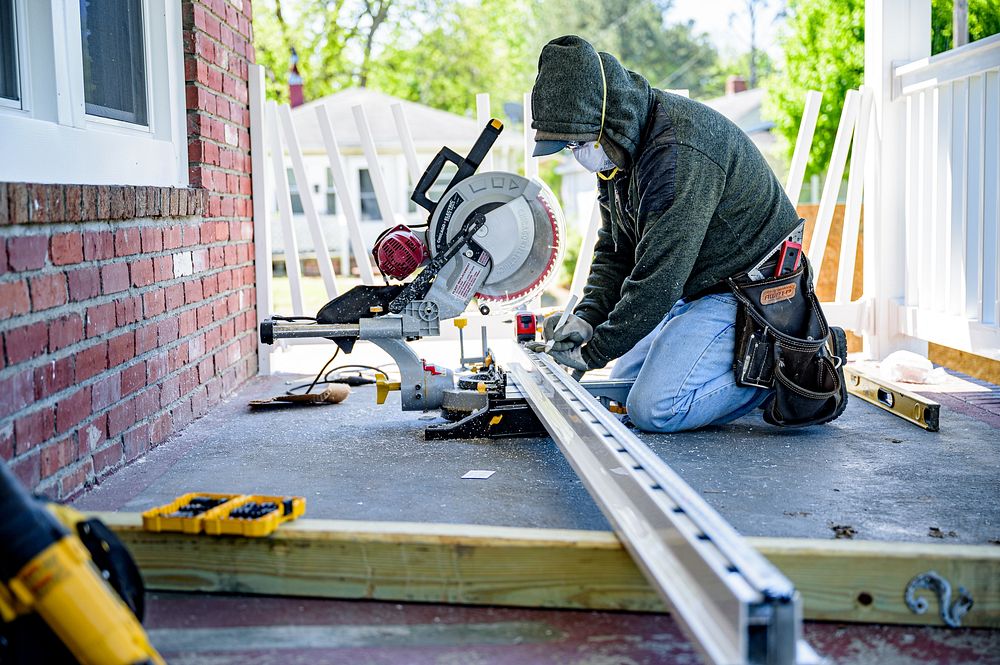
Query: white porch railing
[[952, 190]]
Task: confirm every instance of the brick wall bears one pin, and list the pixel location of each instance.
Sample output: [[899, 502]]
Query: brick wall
[[127, 312]]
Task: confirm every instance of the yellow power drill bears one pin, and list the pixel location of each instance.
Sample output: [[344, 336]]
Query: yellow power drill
[[46, 570]]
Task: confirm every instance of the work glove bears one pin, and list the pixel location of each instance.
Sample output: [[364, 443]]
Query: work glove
[[573, 333], [572, 358]]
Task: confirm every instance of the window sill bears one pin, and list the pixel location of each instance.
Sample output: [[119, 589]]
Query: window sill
[[24, 203]]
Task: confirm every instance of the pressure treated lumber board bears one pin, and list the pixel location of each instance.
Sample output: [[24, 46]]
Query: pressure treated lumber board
[[840, 580]]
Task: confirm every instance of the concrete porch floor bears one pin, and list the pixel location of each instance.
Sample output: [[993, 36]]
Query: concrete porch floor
[[886, 479]]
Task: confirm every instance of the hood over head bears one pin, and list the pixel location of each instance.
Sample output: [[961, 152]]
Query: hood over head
[[568, 95]]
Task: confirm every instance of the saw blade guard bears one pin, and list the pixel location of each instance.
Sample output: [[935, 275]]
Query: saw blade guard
[[523, 235]]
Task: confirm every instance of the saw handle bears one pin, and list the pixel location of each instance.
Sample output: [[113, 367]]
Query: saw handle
[[466, 165]]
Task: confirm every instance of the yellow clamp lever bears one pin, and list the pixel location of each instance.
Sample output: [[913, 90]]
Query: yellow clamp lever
[[459, 322], [383, 388]]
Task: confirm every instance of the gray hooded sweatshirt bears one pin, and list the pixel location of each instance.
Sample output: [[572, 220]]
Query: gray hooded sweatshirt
[[694, 202]]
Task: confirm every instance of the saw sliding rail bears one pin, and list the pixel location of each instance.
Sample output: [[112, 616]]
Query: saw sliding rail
[[734, 604]]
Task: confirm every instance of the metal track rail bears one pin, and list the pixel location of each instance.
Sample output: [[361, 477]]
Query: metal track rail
[[734, 604]]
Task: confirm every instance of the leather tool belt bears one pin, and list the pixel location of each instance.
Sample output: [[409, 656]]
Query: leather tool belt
[[783, 342]]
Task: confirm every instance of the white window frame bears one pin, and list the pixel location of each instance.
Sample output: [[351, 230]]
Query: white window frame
[[50, 138]]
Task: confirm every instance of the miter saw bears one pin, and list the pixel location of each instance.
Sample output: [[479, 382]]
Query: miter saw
[[493, 236]]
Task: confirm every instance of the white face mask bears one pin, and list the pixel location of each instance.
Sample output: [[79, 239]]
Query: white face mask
[[592, 157]]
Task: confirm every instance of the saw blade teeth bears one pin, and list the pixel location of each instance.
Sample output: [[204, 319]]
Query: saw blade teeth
[[548, 272]]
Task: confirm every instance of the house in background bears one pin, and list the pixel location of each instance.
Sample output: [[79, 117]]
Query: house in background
[[740, 105], [431, 130]]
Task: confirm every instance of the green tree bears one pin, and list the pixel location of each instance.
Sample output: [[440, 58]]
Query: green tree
[[471, 48], [984, 20], [669, 55], [824, 47]]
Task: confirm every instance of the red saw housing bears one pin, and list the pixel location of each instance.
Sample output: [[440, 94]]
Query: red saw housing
[[399, 251]]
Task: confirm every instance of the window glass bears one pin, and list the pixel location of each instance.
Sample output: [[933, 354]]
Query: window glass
[[369, 205], [293, 190], [8, 52], [114, 69], [331, 193]]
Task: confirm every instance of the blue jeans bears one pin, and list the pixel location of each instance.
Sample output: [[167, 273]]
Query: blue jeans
[[683, 369]]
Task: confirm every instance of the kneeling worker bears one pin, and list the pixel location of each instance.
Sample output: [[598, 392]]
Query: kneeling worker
[[687, 202]]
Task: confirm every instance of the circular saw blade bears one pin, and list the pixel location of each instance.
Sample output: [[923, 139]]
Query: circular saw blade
[[525, 214]]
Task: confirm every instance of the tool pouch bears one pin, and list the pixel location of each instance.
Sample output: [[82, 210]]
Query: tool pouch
[[783, 342]]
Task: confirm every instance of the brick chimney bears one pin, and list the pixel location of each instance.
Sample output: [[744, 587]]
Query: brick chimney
[[735, 84], [295, 96]]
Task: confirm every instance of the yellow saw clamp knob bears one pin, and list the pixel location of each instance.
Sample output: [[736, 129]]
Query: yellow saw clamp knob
[[460, 322], [383, 388]]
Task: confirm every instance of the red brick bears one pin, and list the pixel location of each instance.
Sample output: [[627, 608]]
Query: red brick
[[191, 236], [167, 331], [100, 319], [88, 202], [73, 409], [92, 435], [74, 203], [114, 278], [210, 285], [187, 323], [204, 316], [7, 442], [152, 240], [153, 303], [160, 429], [142, 272], [136, 442], [27, 252], [128, 310], [26, 342], [156, 368], [66, 248], [163, 268], [121, 418], [52, 377], [76, 480], [108, 458], [84, 283], [58, 455], [225, 280], [193, 291], [91, 361], [98, 245], [173, 237], [47, 291], [17, 200], [27, 469], [121, 349], [133, 378], [4, 267], [170, 390], [127, 242], [146, 338], [14, 299], [147, 403], [174, 296], [117, 206], [32, 429], [64, 331], [106, 392], [4, 207]]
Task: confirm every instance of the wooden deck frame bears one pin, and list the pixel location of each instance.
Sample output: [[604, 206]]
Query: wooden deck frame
[[840, 580]]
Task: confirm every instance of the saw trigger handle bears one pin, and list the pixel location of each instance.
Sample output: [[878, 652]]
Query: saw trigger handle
[[466, 165]]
